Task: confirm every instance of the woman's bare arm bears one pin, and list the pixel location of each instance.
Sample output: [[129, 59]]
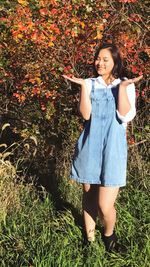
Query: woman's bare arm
[[85, 102], [123, 102]]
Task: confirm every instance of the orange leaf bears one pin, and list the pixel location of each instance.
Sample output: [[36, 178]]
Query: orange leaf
[[50, 44], [23, 2], [82, 25], [34, 36]]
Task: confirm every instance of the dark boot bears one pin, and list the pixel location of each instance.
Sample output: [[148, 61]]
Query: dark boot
[[110, 242]]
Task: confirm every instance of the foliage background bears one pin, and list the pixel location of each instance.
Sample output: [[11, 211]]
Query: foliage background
[[40, 41]]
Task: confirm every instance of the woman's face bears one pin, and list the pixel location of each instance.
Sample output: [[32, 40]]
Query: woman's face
[[104, 63]]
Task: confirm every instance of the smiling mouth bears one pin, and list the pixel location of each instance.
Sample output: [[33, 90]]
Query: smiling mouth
[[100, 68]]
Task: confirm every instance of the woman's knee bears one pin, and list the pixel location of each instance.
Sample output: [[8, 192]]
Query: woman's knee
[[106, 209], [107, 199]]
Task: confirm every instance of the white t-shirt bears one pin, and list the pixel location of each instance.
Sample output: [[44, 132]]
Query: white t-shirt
[[100, 84]]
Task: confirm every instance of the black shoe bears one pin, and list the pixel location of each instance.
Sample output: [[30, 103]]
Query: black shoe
[[110, 242]]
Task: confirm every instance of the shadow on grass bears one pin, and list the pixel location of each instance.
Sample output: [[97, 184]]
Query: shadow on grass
[[49, 181]]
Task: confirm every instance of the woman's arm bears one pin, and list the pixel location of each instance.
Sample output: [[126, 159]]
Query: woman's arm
[[124, 104], [85, 102]]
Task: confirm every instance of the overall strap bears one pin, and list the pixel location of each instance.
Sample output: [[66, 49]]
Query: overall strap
[[93, 82]]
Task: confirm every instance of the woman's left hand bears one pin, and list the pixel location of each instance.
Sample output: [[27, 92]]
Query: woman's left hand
[[125, 83]]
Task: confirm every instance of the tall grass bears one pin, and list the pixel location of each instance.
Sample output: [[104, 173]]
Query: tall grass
[[34, 233], [38, 230]]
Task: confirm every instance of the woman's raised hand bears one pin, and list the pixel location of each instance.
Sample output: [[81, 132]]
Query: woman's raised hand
[[129, 81], [73, 79]]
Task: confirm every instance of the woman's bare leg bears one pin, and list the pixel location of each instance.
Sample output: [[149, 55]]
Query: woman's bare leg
[[107, 198], [90, 209]]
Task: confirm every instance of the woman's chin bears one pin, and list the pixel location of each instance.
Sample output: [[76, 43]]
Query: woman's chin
[[100, 73]]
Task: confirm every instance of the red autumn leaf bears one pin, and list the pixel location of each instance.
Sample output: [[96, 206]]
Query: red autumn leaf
[[21, 27], [134, 69], [3, 19], [54, 11], [54, 28], [140, 73], [43, 11], [106, 15], [34, 36], [36, 91], [127, 1]]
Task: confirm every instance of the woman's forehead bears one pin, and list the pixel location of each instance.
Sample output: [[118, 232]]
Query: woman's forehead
[[105, 52]]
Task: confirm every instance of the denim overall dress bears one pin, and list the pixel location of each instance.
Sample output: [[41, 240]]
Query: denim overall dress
[[101, 150]]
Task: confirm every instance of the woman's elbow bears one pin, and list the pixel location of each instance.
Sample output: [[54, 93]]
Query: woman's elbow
[[124, 111], [86, 117], [128, 117], [85, 114]]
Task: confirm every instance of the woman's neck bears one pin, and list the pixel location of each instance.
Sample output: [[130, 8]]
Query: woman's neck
[[108, 79]]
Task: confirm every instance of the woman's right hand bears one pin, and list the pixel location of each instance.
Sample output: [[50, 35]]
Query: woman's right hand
[[73, 79]]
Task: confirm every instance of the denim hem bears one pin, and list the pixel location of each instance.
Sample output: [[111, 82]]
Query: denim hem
[[83, 181]]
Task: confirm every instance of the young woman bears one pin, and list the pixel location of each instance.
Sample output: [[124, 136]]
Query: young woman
[[107, 103]]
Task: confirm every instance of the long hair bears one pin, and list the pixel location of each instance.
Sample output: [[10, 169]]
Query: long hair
[[117, 70]]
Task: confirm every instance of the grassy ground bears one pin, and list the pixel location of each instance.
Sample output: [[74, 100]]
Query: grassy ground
[[35, 232]]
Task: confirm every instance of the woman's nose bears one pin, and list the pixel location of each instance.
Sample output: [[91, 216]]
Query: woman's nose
[[100, 63]]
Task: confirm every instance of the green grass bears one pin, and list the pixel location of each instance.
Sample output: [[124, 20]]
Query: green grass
[[39, 235], [38, 229]]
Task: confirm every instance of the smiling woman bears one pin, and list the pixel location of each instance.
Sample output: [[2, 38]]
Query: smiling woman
[[112, 59], [104, 64], [106, 103]]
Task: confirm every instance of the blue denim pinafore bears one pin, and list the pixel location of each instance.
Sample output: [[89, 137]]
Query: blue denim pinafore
[[101, 150]]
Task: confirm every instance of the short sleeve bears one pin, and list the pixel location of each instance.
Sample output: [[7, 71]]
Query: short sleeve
[[132, 98]]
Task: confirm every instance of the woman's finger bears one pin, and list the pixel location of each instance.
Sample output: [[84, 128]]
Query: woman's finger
[[74, 79], [136, 79], [68, 78]]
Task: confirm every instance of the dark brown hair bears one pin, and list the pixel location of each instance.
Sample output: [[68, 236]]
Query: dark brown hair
[[117, 70]]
